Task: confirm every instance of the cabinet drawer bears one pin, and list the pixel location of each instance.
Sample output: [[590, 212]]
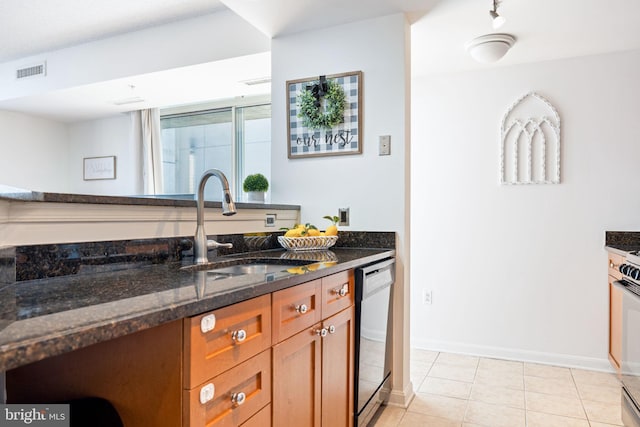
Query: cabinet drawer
[[337, 293], [252, 378], [295, 309], [261, 419], [614, 262], [240, 332]]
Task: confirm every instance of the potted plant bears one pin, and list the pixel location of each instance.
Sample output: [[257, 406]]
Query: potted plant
[[255, 186]]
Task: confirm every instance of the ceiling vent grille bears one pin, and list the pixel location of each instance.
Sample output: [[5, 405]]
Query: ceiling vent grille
[[38, 70]]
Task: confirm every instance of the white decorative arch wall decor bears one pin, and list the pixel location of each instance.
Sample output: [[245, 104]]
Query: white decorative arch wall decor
[[530, 142]]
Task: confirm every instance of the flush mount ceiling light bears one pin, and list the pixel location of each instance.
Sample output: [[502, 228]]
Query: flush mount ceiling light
[[490, 47], [496, 20]]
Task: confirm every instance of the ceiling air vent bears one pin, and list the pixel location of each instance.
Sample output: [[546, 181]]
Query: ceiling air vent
[[33, 71]]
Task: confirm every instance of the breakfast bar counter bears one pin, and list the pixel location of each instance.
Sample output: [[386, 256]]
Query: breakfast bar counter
[[46, 317]]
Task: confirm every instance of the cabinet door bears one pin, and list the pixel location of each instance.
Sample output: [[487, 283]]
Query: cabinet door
[[233, 397], [240, 332], [337, 370], [297, 380], [337, 293], [614, 263], [295, 309], [615, 324]]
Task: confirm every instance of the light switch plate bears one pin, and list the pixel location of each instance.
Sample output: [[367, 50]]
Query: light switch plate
[[384, 148]]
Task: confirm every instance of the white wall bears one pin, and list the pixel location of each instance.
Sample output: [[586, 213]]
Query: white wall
[[374, 188], [34, 152], [520, 271], [371, 185], [111, 136]]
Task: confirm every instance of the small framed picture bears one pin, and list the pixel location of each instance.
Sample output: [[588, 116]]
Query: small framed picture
[[99, 168]]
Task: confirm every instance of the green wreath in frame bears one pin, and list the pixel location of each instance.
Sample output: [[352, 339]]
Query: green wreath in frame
[[310, 104]]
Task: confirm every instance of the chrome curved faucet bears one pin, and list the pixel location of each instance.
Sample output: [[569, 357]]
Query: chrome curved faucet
[[228, 208]]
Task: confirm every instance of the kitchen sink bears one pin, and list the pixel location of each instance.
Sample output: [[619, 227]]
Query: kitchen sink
[[242, 266]]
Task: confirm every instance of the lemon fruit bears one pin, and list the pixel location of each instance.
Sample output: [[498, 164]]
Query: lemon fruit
[[294, 232], [332, 230], [313, 232]]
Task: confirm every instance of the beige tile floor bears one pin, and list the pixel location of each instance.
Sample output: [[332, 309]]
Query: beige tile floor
[[465, 391]]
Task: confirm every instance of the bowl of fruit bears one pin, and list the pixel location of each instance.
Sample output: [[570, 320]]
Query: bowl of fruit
[[307, 237]]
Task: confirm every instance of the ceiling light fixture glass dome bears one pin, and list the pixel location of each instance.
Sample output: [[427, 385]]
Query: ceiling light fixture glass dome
[[490, 47]]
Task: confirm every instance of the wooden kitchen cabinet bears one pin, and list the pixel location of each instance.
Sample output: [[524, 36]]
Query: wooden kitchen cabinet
[[239, 332], [615, 311], [140, 374], [297, 379], [235, 395], [295, 309], [337, 369], [227, 364], [261, 362], [313, 369], [337, 293]]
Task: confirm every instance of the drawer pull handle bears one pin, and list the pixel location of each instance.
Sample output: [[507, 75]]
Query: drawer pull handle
[[238, 398], [206, 393], [611, 264], [332, 329], [341, 291], [239, 335], [302, 308], [208, 323], [321, 332]]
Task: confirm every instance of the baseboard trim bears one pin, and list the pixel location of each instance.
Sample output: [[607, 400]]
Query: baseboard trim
[[566, 360], [401, 398]]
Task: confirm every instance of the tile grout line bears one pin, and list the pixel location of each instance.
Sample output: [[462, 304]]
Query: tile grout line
[[473, 383], [575, 384]]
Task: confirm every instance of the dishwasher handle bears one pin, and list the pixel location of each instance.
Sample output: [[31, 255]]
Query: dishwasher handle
[[374, 278], [373, 268]]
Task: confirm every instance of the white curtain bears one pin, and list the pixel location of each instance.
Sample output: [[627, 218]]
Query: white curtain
[[146, 133]]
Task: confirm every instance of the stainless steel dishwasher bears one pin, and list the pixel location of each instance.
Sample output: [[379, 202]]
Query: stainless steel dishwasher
[[374, 299]]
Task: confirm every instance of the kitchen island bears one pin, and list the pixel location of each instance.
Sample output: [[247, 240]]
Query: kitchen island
[[120, 333], [47, 317]]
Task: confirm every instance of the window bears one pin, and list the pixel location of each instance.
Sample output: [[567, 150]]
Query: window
[[235, 139]]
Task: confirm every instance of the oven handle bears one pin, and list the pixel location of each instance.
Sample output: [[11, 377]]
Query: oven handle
[[621, 284]]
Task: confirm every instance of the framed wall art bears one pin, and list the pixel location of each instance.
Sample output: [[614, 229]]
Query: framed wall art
[[99, 168], [324, 115]]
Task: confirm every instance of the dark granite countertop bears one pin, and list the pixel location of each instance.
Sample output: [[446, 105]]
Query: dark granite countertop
[[622, 242], [46, 317]]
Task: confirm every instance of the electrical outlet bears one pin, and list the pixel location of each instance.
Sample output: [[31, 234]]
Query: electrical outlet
[[343, 214], [270, 220], [427, 297], [384, 148]]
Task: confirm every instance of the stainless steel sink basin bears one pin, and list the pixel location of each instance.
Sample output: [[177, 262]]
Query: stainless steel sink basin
[[252, 269], [242, 266]]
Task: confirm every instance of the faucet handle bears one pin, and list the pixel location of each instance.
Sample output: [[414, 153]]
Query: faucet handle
[[212, 244]]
